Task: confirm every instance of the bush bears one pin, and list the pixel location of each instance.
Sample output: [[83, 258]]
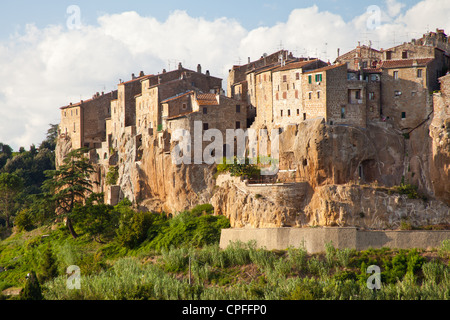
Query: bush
[[112, 176], [24, 221], [32, 290], [188, 229], [133, 227]]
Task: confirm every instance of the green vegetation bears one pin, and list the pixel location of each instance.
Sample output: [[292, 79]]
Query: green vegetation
[[239, 169], [112, 176]]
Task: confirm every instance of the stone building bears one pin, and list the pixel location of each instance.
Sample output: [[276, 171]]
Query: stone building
[[288, 94], [84, 123], [198, 112], [362, 57]]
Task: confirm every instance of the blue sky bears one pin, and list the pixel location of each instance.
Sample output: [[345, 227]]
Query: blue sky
[[249, 13], [45, 65]]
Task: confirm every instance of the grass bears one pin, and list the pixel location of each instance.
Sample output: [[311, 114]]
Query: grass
[[240, 272]]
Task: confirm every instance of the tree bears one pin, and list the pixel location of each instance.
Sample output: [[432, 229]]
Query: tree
[[32, 290], [95, 218], [49, 267], [69, 184], [10, 186]]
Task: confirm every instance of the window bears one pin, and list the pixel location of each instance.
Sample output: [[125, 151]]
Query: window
[[289, 112], [184, 106], [76, 112], [205, 110], [318, 77], [364, 65], [310, 95], [405, 54], [343, 113], [371, 96], [298, 112], [238, 109], [297, 76], [238, 124], [65, 114], [287, 86], [74, 127], [397, 93], [310, 79], [281, 113], [284, 95], [293, 86], [296, 94], [304, 116], [388, 55], [403, 115], [205, 126], [318, 94], [395, 75], [413, 93], [419, 73], [264, 77], [284, 78], [276, 96]]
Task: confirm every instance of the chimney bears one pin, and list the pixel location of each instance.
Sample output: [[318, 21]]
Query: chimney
[[180, 66], [141, 74], [249, 60], [133, 76], [199, 68], [339, 52], [164, 71], [207, 73]]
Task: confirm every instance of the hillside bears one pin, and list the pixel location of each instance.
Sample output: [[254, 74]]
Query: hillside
[[241, 272]]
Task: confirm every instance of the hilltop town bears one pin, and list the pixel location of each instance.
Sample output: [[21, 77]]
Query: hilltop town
[[349, 130]]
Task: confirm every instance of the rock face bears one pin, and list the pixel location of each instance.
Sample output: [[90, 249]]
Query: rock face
[[336, 170], [297, 205], [324, 154], [342, 168]]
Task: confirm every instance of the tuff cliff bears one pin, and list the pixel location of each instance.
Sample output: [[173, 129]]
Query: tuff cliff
[[339, 175]]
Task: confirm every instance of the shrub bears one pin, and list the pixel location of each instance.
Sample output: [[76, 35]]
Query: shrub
[[133, 227], [24, 221], [32, 290], [49, 267], [112, 176], [409, 190]]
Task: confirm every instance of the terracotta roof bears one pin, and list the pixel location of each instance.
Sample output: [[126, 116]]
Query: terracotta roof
[[207, 99], [295, 65], [325, 68], [177, 96], [137, 79], [405, 63], [180, 115]]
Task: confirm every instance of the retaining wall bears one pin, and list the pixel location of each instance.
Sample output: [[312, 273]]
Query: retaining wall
[[315, 239]]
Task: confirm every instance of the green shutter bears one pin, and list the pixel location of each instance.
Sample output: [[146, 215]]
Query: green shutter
[[310, 79]]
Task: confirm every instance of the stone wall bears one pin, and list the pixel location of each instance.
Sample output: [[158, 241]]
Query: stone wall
[[314, 240], [407, 96]]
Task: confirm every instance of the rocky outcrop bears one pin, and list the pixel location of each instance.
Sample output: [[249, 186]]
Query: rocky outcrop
[[324, 154], [297, 205]]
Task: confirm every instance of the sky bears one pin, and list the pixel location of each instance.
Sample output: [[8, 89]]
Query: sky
[[56, 52]]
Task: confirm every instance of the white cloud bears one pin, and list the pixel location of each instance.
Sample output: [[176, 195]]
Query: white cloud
[[394, 7], [44, 69]]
